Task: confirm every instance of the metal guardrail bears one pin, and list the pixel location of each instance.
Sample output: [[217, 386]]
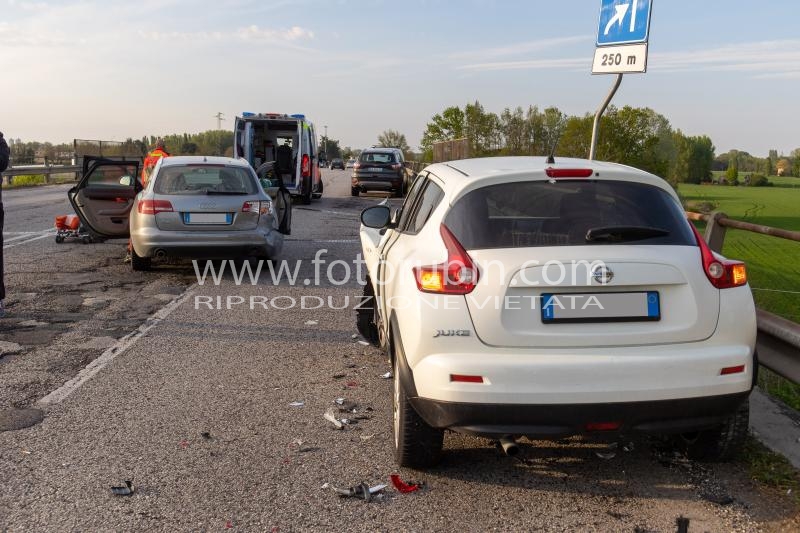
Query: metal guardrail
[[38, 170], [778, 339]]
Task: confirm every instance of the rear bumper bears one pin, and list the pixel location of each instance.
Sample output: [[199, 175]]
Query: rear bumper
[[377, 182], [553, 421], [224, 244]]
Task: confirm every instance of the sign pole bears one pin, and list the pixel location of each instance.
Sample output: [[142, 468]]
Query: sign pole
[[600, 111], [623, 33]]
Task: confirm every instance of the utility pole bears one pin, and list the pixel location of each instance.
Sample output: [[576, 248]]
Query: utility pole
[[219, 118], [326, 144]]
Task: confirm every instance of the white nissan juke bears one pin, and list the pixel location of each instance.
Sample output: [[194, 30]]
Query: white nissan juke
[[518, 297]]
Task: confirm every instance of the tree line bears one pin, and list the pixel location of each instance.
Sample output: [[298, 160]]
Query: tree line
[[639, 137]]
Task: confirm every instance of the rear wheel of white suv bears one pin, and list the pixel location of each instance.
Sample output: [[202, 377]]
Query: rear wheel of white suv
[[416, 444], [720, 444]]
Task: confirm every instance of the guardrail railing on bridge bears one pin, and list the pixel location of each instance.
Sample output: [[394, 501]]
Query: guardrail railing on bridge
[[39, 170], [778, 339]]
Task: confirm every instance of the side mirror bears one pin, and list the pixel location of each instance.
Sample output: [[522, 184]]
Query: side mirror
[[378, 216], [126, 181]]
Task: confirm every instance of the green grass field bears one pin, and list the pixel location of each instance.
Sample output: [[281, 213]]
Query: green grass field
[[777, 181], [773, 264]]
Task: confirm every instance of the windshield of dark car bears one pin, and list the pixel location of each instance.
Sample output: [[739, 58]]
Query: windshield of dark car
[[541, 213], [199, 179]]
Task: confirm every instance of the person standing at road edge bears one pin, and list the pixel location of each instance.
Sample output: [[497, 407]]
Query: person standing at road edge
[[152, 159], [5, 156], [150, 162]]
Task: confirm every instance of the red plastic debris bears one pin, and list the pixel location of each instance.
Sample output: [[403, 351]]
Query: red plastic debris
[[184, 443], [351, 384], [402, 486], [228, 525]]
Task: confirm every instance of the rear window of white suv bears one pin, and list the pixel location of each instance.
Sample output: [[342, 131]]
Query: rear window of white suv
[[568, 213]]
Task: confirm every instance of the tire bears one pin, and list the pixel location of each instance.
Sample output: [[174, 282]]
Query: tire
[[723, 443], [365, 316], [86, 239], [139, 264], [305, 199], [317, 195], [416, 444], [59, 239], [354, 192]]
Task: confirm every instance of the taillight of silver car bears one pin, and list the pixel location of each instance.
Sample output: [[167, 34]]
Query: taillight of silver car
[[153, 207], [458, 275], [260, 208], [722, 273]]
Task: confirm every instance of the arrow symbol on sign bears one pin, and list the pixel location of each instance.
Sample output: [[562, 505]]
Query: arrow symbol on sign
[[618, 17]]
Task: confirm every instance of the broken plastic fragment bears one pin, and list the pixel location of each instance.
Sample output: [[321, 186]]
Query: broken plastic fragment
[[363, 343], [404, 487], [311, 322], [609, 453], [362, 491], [331, 417], [297, 404], [347, 406], [127, 490], [387, 375]]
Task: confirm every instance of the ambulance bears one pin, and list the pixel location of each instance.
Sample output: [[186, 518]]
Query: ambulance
[[289, 142]]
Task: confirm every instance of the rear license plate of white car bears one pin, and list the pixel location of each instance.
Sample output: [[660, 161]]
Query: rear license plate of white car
[[208, 218], [601, 307]]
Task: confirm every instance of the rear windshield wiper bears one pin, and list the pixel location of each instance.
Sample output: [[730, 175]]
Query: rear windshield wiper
[[624, 233], [226, 193]]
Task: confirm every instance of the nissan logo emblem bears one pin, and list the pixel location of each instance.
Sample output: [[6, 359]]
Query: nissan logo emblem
[[602, 274]]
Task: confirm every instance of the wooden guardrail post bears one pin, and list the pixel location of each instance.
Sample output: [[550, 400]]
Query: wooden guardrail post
[[715, 232]]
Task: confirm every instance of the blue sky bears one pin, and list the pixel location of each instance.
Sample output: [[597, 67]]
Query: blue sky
[[115, 69]]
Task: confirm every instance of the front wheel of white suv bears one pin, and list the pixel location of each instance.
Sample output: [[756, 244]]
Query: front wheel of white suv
[[722, 443], [416, 444]]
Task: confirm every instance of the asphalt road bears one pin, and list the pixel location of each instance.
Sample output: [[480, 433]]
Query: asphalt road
[[197, 411]]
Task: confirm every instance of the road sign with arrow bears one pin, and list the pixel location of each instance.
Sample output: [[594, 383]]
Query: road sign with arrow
[[622, 36], [623, 22]]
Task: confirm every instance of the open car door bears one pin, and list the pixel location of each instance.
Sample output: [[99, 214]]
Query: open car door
[[105, 195]]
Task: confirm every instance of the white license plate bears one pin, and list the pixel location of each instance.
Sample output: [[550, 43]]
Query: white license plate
[[208, 218], [601, 307], [374, 169]]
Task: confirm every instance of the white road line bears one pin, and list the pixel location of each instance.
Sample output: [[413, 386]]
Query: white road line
[[19, 235], [31, 238], [121, 346]]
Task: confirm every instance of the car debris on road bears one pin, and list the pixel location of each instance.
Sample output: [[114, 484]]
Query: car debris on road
[[127, 490], [404, 487], [361, 491], [330, 416]]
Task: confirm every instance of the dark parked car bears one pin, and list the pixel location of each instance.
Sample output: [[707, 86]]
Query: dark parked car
[[337, 163], [379, 169]]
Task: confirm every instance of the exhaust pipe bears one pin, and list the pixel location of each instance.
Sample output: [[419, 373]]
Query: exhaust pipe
[[161, 254], [509, 446]]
